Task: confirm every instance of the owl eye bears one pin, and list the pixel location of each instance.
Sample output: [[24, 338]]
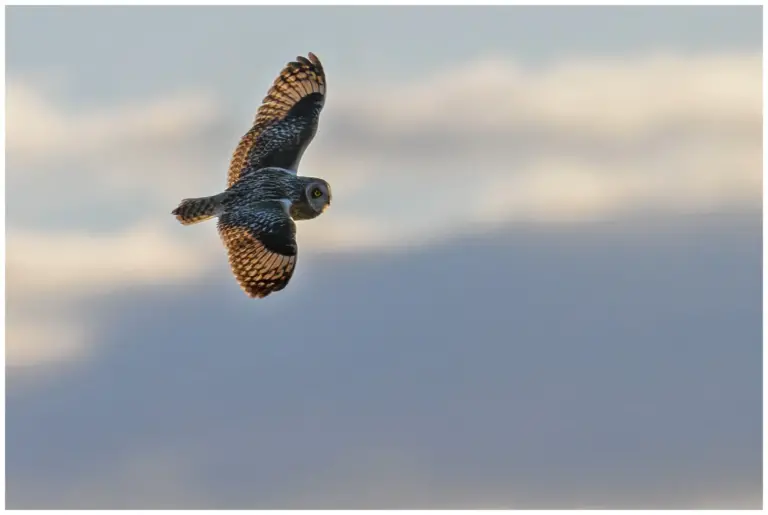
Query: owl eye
[[317, 193]]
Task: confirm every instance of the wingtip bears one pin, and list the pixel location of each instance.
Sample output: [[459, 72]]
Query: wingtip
[[310, 59], [315, 60]]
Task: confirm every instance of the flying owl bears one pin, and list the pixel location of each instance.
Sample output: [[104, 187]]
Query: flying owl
[[264, 194]]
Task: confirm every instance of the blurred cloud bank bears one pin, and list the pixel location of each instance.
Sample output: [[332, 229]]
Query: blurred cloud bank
[[604, 367], [459, 150]]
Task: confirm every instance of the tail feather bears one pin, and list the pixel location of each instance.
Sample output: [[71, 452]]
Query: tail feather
[[195, 210]]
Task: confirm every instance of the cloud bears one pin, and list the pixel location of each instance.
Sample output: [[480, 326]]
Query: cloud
[[377, 478], [585, 138], [386, 338], [49, 271], [562, 190], [100, 160], [151, 479], [124, 153], [41, 129], [609, 98], [461, 150], [30, 342], [78, 262]]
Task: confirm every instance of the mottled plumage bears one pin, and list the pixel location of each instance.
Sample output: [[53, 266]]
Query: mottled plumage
[[264, 194], [262, 246], [285, 122]]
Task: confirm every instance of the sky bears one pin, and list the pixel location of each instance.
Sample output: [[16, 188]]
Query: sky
[[538, 285]]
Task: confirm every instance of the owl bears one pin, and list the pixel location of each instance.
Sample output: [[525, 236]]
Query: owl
[[265, 195]]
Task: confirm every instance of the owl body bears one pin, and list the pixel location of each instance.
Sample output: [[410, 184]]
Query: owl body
[[264, 192], [280, 184]]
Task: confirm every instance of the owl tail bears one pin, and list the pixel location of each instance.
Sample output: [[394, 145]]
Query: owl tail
[[195, 210]]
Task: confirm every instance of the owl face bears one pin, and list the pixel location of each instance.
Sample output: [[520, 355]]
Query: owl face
[[318, 195]]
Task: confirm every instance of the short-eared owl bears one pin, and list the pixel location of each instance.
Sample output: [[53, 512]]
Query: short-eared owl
[[264, 193]]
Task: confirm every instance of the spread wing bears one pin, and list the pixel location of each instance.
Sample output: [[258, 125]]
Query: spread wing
[[285, 122], [261, 243]]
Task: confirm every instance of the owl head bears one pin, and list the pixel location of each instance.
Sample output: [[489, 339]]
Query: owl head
[[318, 195]]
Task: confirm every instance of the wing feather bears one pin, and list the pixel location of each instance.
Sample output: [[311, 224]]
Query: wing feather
[[261, 244], [286, 121]]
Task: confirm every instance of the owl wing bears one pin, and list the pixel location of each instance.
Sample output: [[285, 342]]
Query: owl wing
[[261, 244], [286, 121]]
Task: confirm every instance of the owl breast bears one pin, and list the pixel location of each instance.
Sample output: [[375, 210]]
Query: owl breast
[[302, 211]]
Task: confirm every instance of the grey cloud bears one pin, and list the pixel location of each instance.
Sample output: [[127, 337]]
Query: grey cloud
[[616, 366]]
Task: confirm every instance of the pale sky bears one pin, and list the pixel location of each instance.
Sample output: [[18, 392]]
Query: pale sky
[[538, 285]]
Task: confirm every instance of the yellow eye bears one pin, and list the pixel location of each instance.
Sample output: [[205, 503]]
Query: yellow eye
[[317, 193]]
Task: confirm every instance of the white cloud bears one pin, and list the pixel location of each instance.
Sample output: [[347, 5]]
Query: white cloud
[[78, 262], [586, 137], [45, 267], [41, 129], [60, 156], [618, 97], [32, 343], [583, 139], [562, 190], [112, 153], [127, 152]]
